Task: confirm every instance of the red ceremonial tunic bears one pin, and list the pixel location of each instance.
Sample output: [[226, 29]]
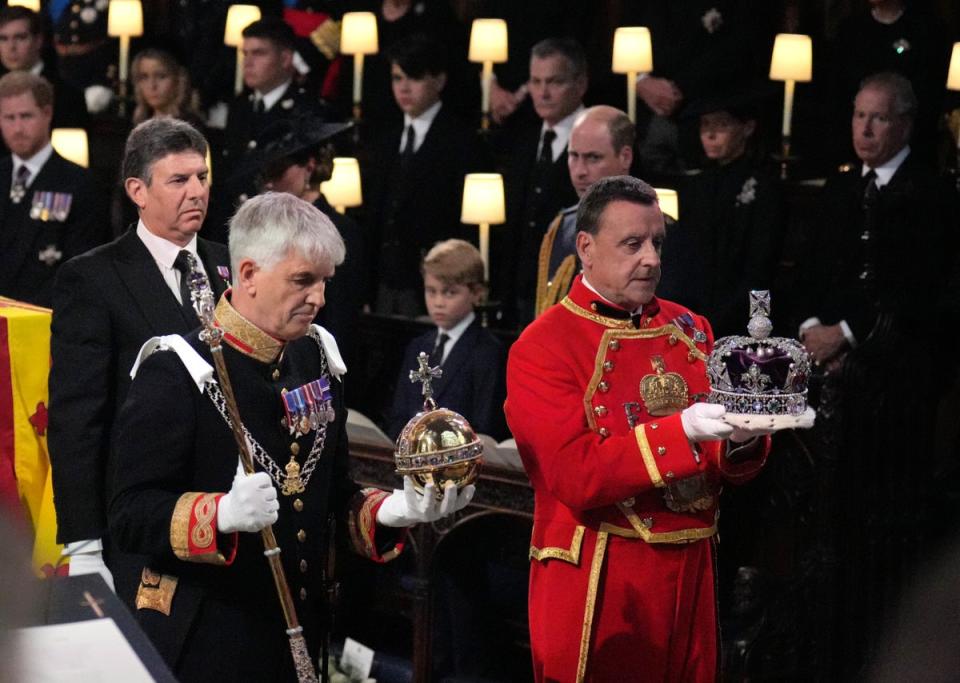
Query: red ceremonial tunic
[[621, 578]]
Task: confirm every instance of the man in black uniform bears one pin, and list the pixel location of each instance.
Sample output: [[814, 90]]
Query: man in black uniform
[[106, 303], [271, 95], [47, 211], [207, 597]]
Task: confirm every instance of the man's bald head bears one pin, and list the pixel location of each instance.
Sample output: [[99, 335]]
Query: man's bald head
[[601, 145]]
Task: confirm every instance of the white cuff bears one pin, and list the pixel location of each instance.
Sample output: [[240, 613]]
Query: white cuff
[[848, 334], [91, 545], [807, 324]]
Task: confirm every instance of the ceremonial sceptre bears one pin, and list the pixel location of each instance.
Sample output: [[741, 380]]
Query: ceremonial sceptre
[[204, 305]]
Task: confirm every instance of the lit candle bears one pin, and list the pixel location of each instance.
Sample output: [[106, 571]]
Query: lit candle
[[483, 205], [358, 37], [792, 61], [632, 55], [488, 46]]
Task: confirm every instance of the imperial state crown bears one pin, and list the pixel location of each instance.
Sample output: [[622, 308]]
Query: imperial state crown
[[437, 445], [759, 375]]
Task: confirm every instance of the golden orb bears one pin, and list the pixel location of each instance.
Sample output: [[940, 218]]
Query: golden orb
[[437, 446]]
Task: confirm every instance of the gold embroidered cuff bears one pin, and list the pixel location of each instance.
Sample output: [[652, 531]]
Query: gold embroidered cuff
[[193, 529], [571, 554], [156, 591], [362, 522]]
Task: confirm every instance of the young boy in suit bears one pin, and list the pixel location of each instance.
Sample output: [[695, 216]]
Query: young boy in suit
[[472, 359]]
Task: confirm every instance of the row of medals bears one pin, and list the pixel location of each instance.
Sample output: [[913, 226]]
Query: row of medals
[[306, 408]]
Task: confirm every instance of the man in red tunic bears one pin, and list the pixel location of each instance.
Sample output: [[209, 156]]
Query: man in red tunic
[[626, 464]]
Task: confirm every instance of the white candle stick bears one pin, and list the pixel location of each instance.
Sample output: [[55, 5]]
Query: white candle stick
[[124, 55], [357, 77], [487, 83], [485, 250], [787, 106], [632, 96]]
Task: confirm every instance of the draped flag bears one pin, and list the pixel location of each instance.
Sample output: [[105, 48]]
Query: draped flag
[[26, 487]]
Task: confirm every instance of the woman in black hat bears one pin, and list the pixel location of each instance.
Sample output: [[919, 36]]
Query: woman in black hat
[[727, 240], [294, 157]]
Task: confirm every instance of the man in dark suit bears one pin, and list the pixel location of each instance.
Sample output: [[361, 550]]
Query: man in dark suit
[[537, 181], [47, 206], [472, 359], [414, 177], [875, 326], [107, 303], [21, 43]]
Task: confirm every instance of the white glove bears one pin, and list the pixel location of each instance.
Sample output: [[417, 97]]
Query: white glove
[[250, 506], [88, 562], [97, 98], [407, 507], [804, 420], [703, 422]]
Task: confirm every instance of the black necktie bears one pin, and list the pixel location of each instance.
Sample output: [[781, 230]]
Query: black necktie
[[871, 195], [19, 187], [546, 147], [870, 190], [186, 264], [411, 140], [436, 356], [258, 106]]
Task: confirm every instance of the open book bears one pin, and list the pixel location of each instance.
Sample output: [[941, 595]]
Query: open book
[[361, 429]]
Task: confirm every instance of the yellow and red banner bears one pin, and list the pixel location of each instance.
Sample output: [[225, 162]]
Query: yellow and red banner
[[26, 487]]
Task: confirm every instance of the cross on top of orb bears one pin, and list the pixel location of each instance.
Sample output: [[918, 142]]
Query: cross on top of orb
[[425, 375]]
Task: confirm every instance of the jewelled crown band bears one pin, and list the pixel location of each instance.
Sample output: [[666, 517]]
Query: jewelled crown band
[[759, 374]]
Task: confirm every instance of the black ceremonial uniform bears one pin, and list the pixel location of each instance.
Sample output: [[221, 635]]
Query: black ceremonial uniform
[[80, 39], [208, 599], [244, 125], [56, 219], [244, 128]]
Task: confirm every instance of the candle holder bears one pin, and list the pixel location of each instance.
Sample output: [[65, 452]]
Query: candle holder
[[792, 61], [358, 37], [124, 21], [238, 18], [483, 205], [488, 46], [632, 55]]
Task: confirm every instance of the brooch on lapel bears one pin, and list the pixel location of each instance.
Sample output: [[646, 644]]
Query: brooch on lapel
[[712, 20], [748, 192], [50, 255]]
